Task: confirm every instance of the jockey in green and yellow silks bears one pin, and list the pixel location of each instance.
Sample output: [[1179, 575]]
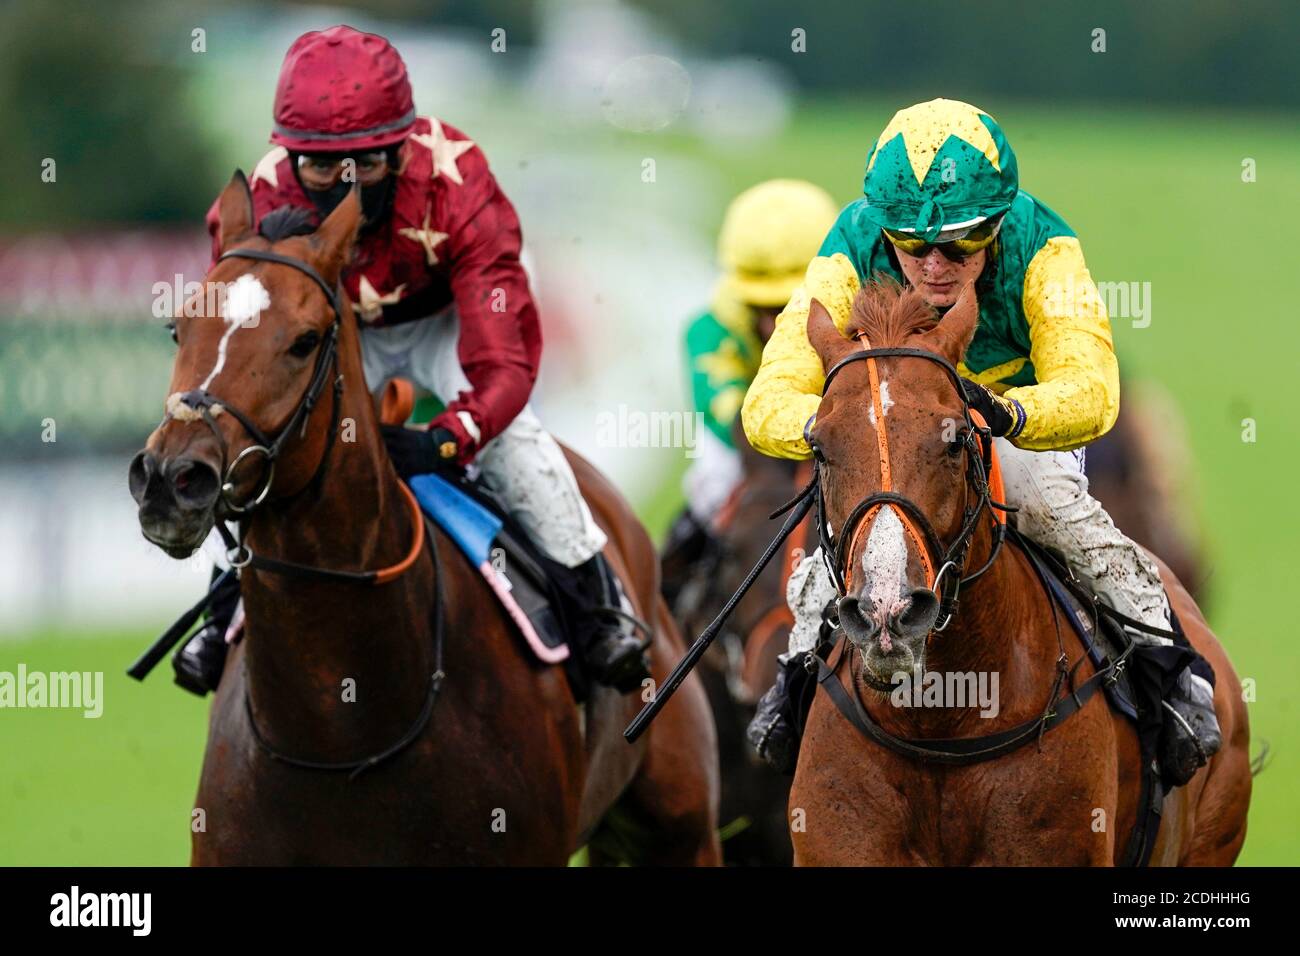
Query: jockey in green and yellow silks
[[768, 235], [943, 211], [1052, 356]]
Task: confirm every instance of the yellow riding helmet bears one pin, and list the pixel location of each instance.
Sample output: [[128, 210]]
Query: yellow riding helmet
[[769, 235]]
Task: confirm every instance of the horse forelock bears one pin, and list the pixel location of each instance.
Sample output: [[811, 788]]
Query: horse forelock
[[285, 221], [889, 314]]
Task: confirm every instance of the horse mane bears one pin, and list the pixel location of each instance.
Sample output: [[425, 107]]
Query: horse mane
[[889, 314], [285, 221]]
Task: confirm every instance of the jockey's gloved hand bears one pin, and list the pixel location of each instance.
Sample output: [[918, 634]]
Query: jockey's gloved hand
[[1004, 417], [419, 452]]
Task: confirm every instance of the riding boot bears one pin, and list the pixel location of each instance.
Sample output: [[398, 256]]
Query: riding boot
[[772, 731], [198, 662], [600, 627], [1191, 733]]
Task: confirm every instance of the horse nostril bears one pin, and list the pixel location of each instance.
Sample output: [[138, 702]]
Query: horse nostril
[[142, 469], [194, 483], [858, 626], [917, 617]]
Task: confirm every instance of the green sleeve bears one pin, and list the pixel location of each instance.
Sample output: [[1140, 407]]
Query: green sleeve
[[720, 372]]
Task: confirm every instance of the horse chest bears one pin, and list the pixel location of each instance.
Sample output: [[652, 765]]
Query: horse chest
[[864, 806]]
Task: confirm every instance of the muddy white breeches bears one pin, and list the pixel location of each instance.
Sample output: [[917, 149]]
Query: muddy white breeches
[[1051, 491], [712, 476], [524, 465]]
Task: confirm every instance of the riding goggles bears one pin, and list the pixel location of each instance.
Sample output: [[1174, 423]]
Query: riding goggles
[[321, 171], [955, 244]]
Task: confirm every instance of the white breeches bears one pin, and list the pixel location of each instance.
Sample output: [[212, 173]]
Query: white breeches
[[1056, 511], [712, 476], [524, 465]]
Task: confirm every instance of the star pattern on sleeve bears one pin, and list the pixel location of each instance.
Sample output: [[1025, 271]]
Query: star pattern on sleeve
[[724, 364], [371, 306], [425, 236], [265, 168], [445, 151]]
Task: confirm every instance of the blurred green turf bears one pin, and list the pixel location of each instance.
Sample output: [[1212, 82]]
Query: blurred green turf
[[1155, 197], [116, 790]]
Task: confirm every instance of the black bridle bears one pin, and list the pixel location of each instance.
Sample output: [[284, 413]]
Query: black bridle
[[204, 402], [948, 560]]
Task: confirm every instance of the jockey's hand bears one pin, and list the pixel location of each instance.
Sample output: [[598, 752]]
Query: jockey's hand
[[419, 451], [1003, 416]]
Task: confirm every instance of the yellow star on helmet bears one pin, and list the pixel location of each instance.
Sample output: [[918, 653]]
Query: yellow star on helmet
[[429, 238], [372, 303], [925, 127], [445, 151], [265, 168]]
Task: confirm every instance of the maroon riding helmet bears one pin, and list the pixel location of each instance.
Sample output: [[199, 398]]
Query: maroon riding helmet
[[343, 93]]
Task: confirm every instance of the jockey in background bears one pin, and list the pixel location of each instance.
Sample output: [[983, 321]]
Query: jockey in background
[[769, 234], [944, 213], [441, 299]]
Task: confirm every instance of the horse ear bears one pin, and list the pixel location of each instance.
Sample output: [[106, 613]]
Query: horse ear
[[825, 337], [955, 330], [333, 240], [235, 210]]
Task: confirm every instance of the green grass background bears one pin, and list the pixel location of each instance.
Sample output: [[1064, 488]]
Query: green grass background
[[1155, 197]]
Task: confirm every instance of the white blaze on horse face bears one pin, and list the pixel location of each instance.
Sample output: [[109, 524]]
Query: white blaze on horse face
[[246, 299], [884, 565], [886, 403]]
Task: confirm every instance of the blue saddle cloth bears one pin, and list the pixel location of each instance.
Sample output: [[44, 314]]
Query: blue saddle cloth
[[497, 549], [467, 521]]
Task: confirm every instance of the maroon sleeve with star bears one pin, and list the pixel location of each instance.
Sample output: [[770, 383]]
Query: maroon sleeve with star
[[500, 334]]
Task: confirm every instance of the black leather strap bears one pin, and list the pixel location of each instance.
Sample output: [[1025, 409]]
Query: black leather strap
[[956, 751], [354, 768]]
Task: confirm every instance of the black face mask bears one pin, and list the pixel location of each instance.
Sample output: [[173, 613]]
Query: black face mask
[[376, 199]]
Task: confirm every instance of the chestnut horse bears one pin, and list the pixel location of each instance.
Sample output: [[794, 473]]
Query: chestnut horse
[[1070, 796], [380, 708]]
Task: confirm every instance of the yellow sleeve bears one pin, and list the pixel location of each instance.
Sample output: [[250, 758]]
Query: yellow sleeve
[[1076, 398], [787, 390]]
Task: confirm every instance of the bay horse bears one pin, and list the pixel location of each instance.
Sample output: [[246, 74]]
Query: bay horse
[[380, 709], [1071, 796], [742, 663]]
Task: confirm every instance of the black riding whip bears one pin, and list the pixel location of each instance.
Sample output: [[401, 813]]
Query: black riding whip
[[159, 648], [798, 507]]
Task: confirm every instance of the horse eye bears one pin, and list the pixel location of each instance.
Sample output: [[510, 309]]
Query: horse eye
[[171, 327], [304, 344]]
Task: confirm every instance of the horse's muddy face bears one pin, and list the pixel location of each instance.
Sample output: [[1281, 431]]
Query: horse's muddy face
[[249, 339], [891, 608]]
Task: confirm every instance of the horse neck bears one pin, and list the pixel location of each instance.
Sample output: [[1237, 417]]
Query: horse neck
[[305, 636]]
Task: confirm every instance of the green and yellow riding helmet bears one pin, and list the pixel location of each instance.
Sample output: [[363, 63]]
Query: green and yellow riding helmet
[[941, 173]]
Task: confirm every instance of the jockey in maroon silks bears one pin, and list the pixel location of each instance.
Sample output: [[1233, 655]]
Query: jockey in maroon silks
[[442, 299]]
